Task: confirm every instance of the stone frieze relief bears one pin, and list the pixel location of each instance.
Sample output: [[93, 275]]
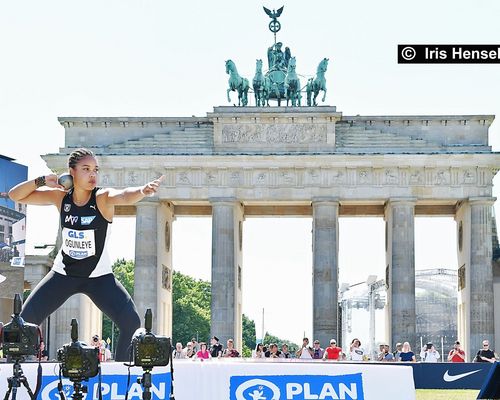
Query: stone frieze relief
[[323, 176], [274, 133]]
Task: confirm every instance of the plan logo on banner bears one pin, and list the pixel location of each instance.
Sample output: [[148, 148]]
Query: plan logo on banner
[[297, 387], [114, 387]]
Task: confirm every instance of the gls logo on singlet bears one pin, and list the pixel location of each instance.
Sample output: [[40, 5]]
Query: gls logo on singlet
[[72, 219], [76, 234]]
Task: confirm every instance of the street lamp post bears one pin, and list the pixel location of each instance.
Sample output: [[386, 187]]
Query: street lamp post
[[370, 281]]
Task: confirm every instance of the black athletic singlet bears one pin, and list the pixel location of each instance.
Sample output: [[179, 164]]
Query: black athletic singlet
[[85, 235]]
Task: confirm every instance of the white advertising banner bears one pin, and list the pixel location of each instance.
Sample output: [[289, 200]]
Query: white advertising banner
[[235, 380]]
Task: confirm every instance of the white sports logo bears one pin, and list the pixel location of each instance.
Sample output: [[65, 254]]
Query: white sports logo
[[451, 378]]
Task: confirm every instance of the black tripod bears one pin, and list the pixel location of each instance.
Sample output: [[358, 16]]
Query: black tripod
[[79, 390], [16, 380], [145, 381]]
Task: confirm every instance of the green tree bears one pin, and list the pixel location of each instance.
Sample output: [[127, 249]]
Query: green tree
[[268, 339], [249, 340], [191, 308]]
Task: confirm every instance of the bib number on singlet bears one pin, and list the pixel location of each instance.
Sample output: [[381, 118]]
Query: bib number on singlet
[[78, 244]]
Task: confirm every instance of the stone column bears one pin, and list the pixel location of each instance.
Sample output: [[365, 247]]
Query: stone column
[[89, 319], [227, 225], [164, 270], [325, 270], [400, 273], [146, 259], [476, 306]]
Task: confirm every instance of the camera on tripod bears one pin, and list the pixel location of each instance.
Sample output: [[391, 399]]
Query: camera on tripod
[[149, 350], [20, 338], [78, 360]]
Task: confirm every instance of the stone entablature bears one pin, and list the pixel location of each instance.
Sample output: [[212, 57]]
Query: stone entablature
[[300, 178]]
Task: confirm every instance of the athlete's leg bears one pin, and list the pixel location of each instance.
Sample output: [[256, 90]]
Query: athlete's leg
[[50, 294], [113, 300]]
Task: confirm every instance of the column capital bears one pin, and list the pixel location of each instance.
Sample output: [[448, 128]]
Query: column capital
[[482, 201], [325, 199], [148, 202], [401, 201], [223, 200]]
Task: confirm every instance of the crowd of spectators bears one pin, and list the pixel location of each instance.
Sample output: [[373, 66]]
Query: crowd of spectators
[[402, 352]]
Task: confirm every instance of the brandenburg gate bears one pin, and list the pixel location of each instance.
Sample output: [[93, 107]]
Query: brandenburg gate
[[240, 162]]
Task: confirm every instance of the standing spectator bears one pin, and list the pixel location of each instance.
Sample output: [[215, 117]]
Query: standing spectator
[[397, 352], [284, 351], [230, 351], [273, 351], [44, 356], [105, 351], [179, 352], [429, 353], [259, 351], [216, 347], [485, 354], [195, 345], [305, 352], [203, 353], [97, 344], [387, 355], [190, 353], [381, 353], [332, 352], [357, 352], [406, 354], [456, 354], [318, 352]]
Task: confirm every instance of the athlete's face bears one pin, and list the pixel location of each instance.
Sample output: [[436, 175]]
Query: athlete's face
[[85, 173]]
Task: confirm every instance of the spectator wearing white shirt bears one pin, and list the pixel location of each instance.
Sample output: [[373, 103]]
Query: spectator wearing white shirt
[[357, 353], [305, 352], [429, 353]]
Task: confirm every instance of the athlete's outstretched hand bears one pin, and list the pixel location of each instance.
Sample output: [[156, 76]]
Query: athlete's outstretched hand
[[149, 189]]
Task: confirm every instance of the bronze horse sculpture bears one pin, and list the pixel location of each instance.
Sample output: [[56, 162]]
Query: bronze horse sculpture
[[314, 86], [237, 83], [292, 84], [263, 88]]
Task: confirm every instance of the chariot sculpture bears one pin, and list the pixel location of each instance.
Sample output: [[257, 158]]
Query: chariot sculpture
[[281, 80]]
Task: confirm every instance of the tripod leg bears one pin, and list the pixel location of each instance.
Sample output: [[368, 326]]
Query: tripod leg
[[146, 384], [24, 381], [8, 390], [14, 392]]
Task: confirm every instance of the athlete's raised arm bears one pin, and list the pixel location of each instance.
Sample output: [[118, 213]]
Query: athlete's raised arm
[[131, 195], [31, 192]]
